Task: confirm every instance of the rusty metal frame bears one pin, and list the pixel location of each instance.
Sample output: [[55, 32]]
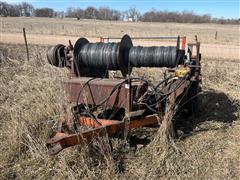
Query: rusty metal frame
[[100, 127], [91, 92], [63, 140]]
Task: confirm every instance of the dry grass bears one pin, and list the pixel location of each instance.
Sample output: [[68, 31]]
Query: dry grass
[[50, 31], [31, 100], [227, 34]]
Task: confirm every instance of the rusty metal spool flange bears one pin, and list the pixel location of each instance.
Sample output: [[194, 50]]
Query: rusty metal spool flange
[[56, 55]]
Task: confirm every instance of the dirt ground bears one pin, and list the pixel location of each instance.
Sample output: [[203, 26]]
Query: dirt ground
[[31, 99]]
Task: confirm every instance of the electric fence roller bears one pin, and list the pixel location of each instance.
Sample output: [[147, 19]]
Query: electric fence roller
[[114, 106]]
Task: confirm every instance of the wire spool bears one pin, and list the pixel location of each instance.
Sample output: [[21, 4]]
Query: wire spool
[[56, 55], [103, 56], [153, 56]]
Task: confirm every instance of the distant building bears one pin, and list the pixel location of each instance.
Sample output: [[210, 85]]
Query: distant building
[[130, 19]]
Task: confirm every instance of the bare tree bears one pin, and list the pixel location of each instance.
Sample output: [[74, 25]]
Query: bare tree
[[26, 9], [44, 12], [184, 17], [75, 13], [79, 13], [3, 9], [70, 12], [104, 13], [9, 9], [116, 15], [91, 13], [133, 13]]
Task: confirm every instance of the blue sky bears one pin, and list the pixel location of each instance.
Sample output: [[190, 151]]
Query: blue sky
[[217, 8]]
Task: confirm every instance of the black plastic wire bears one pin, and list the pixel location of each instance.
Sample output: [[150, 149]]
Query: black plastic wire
[[148, 104], [107, 56], [80, 92], [144, 100], [98, 55], [154, 56], [161, 82], [117, 87], [169, 92]]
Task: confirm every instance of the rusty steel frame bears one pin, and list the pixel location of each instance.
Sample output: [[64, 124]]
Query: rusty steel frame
[[103, 126], [63, 140], [121, 98], [90, 93]]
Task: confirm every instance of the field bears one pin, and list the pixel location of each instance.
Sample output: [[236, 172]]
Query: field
[[31, 99], [53, 31]]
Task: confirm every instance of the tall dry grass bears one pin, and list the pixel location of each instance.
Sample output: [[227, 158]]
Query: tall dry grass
[[32, 100]]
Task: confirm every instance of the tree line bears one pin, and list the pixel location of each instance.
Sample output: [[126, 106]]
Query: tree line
[[105, 13]]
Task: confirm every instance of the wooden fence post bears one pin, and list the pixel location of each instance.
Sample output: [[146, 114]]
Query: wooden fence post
[[25, 39]]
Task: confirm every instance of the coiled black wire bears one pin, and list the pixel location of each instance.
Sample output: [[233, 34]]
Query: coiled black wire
[[154, 56], [106, 56], [98, 55]]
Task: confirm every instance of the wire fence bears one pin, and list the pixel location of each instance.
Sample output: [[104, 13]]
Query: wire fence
[[220, 52]]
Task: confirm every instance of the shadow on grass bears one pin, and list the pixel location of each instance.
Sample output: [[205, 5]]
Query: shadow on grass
[[211, 106]]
